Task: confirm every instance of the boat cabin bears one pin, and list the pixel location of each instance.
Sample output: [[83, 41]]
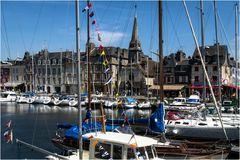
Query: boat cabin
[[112, 145]]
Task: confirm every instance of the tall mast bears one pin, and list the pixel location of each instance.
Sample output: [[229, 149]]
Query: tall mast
[[218, 60], [160, 50], [88, 57], [236, 48], [204, 68], [33, 78], [79, 82], [203, 47]]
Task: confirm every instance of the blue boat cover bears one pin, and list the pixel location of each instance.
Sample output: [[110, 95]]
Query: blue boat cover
[[86, 128], [130, 100], [30, 93], [157, 120]]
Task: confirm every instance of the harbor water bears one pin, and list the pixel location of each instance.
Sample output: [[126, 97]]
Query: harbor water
[[37, 124]]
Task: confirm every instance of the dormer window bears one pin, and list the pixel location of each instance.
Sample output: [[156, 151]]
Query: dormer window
[[59, 61], [54, 61], [39, 62], [44, 62], [48, 62]]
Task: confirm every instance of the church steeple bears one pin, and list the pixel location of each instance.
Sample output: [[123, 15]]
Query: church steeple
[[134, 45]]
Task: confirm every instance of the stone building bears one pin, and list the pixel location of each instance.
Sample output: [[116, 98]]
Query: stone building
[[211, 64]]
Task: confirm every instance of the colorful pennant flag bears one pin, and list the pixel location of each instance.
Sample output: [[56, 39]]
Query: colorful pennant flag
[[99, 37], [93, 22], [102, 53], [105, 62], [8, 124], [109, 80], [91, 14], [107, 70], [8, 136], [87, 7], [101, 47]]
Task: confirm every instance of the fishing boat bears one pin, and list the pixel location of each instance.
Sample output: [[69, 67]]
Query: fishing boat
[[8, 96]]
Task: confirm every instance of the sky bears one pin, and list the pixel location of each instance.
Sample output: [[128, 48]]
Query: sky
[[35, 25]]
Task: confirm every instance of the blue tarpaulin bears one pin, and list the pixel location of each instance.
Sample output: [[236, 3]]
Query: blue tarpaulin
[[157, 120], [130, 100]]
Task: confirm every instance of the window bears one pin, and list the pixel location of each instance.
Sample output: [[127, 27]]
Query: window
[[215, 68], [54, 61], [54, 80], [117, 150], [195, 68], [48, 62], [54, 71], [43, 61], [59, 61], [196, 79], [59, 71], [103, 151], [43, 80], [214, 78], [39, 62], [39, 71], [168, 79], [48, 71], [59, 80], [48, 80]]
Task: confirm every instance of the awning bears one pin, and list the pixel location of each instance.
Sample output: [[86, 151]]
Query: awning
[[201, 87], [166, 87], [11, 84]]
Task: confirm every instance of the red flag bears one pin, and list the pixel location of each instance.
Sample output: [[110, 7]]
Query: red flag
[[8, 124], [101, 47], [90, 5]]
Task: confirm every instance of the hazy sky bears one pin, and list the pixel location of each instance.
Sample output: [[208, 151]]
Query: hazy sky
[[34, 25]]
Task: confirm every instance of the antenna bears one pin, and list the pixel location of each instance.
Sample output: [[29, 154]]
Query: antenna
[[135, 6]]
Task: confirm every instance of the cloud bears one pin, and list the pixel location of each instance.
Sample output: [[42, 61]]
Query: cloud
[[110, 38]]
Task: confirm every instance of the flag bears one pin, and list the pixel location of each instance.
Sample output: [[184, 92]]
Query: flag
[[8, 136], [106, 71], [99, 37], [109, 80], [105, 62], [87, 7], [102, 53], [101, 47], [91, 14], [8, 124], [93, 22]]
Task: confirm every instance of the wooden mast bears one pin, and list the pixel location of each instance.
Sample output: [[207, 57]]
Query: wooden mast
[[161, 80], [88, 57]]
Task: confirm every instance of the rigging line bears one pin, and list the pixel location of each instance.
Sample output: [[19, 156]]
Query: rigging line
[[104, 12], [35, 29], [127, 24], [231, 18], [207, 17], [116, 24], [174, 29], [153, 28], [53, 24], [4, 39], [21, 33], [4, 26], [222, 27]]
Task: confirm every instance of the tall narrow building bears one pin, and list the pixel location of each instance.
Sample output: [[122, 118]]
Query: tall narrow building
[[135, 51]]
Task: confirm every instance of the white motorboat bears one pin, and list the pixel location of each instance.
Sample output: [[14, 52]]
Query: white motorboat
[[63, 101], [110, 102], [24, 97], [144, 105], [37, 99], [113, 145], [8, 96], [49, 100], [179, 101]]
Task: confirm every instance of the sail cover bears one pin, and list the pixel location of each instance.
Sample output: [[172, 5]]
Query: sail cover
[[157, 120]]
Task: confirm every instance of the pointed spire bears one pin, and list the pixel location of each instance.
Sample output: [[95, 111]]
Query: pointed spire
[[135, 31]]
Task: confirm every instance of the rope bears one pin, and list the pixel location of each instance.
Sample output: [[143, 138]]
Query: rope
[[4, 24], [36, 26]]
